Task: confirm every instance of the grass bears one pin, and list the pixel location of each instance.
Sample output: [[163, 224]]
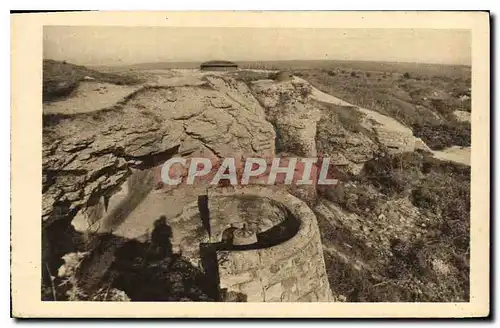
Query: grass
[[440, 136], [355, 199], [414, 69], [60, 79], [393, 175], [422, 102], [441, 192]]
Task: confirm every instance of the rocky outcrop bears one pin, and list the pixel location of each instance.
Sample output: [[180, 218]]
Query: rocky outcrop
[[311, 123], [295, 117], [88, 155], [289, 109], [395, 136], [462, 116], [345, 148]]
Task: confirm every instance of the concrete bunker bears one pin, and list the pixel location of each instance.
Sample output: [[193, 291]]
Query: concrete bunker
[[275, 254], [218, 65]]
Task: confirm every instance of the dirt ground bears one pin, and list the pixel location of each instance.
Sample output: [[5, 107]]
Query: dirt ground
[[89, 97]]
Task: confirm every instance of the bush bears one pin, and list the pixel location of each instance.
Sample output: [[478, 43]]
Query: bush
[[406, 75], [437, 187], [348, 116], [441, 191], [441, 136], [355, 285], [447, 195], [393, 174], [356, 199], [335, 194]]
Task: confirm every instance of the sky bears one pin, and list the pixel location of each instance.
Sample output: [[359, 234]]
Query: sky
[[111, 45]]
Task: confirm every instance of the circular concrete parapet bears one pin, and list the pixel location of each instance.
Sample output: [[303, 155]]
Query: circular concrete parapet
[[291, 270]]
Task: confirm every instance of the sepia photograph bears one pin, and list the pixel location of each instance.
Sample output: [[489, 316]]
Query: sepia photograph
[[213, 164]]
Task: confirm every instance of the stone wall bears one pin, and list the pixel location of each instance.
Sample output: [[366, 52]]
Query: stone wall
[[291, 271]]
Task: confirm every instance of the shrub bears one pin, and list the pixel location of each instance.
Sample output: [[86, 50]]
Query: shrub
[[355, 285], [440, 136], [393, 174], [355, 199], [335, 193], [441, 191], [406, 75], [284, 98], [447, 195]]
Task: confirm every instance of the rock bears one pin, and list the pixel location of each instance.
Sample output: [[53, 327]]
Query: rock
[[294, 118], [395, 141], [440, 267], [344, 147], [95, 150], [462, 116]]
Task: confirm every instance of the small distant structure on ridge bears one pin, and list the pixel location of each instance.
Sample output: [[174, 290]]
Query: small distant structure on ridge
[[218, 65]]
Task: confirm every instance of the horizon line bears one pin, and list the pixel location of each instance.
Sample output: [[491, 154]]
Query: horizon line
[[271, 60]]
